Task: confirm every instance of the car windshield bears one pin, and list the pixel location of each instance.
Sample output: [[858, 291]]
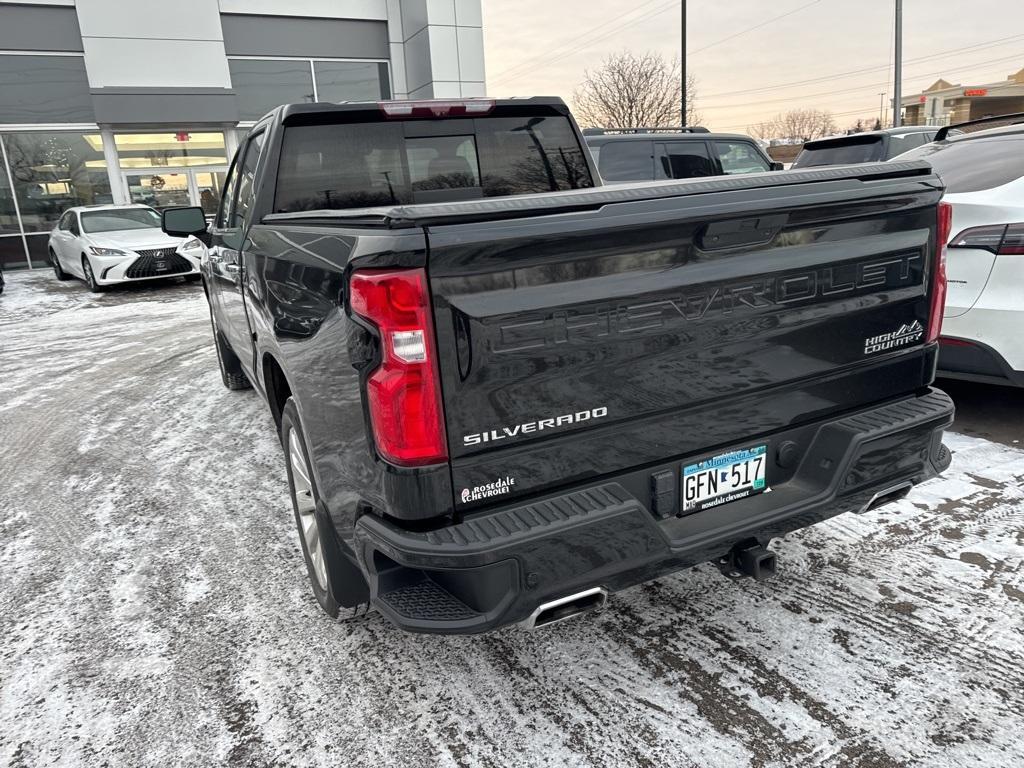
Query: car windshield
[[974, 164], [114, 220], [846, 151]]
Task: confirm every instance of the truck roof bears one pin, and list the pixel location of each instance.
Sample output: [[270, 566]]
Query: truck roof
[[286, 111]]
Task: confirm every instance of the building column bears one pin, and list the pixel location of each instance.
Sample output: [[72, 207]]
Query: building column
[[230, 141], [117, 189], [442, 47]]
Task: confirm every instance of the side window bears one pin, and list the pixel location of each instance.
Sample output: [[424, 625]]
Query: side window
[[247, 179], [73, 226], [63, 223], [907, 141], [228, 196], [739, 157], [684, 160], [626, 161]]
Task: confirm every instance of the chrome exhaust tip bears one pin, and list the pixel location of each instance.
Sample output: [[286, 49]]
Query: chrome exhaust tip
[[593, 599], [893, 493]]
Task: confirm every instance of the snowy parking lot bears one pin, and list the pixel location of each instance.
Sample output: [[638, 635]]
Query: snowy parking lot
[[154, 608]]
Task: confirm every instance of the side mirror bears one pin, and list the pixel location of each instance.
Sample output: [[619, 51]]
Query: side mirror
[[182, 222], [776, 166]]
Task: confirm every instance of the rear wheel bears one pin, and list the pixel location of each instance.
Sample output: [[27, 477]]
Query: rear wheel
[[90, 278], [316, 534], [231, 372], [58, 270]]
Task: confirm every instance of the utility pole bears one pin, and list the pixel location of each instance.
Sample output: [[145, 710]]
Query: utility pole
[[682, 59], [898, 67], [881, 108]]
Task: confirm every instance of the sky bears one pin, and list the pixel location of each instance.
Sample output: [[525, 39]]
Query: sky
[[543, 47]]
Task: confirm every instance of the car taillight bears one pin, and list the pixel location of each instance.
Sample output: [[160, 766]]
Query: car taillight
[[942, 230], [1001, 239], [436, 108], [404, 391]]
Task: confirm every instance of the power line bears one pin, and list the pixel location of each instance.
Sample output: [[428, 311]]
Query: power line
[[575, 41], [549, 60], [751, 29], [852, 72], [856, 88], [863, 111]]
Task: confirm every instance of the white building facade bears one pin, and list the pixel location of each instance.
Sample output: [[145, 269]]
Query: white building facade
[[144, 100]]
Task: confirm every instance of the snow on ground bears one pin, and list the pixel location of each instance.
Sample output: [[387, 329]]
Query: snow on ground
[[154, 608]]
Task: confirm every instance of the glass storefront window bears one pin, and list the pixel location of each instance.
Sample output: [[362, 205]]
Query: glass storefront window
[[173, 150], [351, 81], [260, 85], [8, 214], [160, 190], [209, 186], [54, 171]]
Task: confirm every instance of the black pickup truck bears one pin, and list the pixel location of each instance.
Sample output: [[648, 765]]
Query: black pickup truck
[[505, 391]]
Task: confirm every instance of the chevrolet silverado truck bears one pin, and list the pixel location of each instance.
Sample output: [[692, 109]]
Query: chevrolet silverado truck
[[505, 391]]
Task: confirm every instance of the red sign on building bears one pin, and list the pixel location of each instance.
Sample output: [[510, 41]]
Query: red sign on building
[[975, 91]]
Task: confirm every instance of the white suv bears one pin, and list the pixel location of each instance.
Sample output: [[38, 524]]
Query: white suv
[[983, 325]]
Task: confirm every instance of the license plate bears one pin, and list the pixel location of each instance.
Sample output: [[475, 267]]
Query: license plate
[[724, 478]]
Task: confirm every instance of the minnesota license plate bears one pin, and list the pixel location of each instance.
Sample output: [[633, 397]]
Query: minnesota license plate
[[724, 478]]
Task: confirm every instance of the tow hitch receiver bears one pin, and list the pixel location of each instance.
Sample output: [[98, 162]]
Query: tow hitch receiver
[[748, 559]]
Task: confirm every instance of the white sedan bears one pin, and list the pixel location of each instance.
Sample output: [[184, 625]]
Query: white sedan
[[110, 244], [981, 327]]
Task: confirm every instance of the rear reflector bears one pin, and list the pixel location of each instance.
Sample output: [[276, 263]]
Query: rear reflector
[[938, 304], [404, 391], [436, 108]]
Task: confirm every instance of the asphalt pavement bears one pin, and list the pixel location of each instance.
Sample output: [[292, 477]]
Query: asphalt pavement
[[154, 608]]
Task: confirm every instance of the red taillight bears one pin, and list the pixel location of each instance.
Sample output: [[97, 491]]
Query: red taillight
[[404, 392], [942, 230], [1000, 239], [436, 108]]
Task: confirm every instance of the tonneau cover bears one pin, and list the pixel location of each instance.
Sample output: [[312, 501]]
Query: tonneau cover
[[400, 216]]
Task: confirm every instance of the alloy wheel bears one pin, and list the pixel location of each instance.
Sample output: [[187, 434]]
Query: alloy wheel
[[89, 277], [305, 504]]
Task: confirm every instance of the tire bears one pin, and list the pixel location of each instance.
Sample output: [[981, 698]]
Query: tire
[[231, 372], [90, 278], [330, 572], [58, 270]]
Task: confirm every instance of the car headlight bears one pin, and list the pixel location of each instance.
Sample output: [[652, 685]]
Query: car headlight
[[191, 245], [97, 251]]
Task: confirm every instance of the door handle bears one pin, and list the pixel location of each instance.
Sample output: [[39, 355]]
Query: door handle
[[232, 268]]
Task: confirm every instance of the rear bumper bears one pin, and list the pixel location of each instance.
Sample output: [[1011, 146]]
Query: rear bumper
[[496, 568], [971, 360]]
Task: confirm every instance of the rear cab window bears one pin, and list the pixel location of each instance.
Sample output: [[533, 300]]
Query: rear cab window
[[845, 151], [397, 162]]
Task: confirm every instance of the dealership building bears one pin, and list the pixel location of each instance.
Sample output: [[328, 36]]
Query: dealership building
[[121, 101], [944, 103]]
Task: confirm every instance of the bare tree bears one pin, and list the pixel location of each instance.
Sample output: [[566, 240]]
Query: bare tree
[[796, 125], [633, 90], [763, 131]]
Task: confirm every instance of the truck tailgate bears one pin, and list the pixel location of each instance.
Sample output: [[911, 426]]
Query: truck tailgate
[[577, 344]]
